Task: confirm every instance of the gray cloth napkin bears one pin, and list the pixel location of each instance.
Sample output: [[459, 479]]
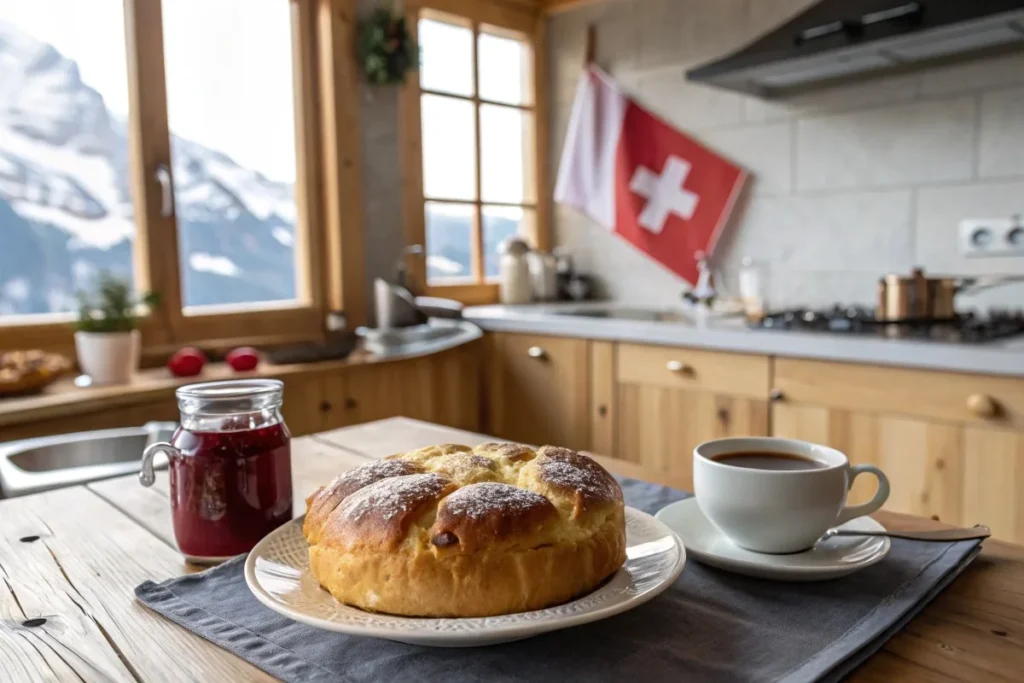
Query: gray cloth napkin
[[709, 626]]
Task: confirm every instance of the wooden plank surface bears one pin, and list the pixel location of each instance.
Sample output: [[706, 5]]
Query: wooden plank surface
[[96, 544]]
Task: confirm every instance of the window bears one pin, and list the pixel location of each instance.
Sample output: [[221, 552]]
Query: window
[[477, 120], [181, 144], [65, 205], [233, 153]]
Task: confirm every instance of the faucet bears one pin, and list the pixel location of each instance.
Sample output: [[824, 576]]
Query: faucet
[[394, 303], [401, 269]]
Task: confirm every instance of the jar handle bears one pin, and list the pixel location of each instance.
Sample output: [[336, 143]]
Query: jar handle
[[147, 476]]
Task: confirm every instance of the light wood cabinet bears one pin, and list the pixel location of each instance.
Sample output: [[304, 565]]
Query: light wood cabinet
[[537, 389], [947, 454], [133, 415], [443, 388], [305, 409], [652, 405]]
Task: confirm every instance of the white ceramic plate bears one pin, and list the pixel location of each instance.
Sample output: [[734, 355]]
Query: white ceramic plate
[[830, 559], [277, 572]]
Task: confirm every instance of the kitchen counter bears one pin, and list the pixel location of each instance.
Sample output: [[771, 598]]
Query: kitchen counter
[[65, 398], [1000, 357], [71, 559]]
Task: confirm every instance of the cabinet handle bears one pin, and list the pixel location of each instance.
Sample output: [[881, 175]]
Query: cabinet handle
[[536, 352], [325, 406], [982, 405], [776, 395], [350, 403], [602, 410], [677, 366]]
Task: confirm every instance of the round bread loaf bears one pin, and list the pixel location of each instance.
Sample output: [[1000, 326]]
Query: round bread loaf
[[450, 531]]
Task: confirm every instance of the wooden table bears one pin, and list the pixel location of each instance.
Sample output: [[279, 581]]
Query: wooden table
[[70, 559]]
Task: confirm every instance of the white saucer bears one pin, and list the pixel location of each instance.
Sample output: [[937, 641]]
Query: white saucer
[[830, 559]]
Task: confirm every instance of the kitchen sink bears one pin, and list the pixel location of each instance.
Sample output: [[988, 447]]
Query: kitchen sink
[[51, 462], [618, 313], [435, 335]]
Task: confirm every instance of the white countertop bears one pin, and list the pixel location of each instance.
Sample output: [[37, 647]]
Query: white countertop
[[1001, 357]]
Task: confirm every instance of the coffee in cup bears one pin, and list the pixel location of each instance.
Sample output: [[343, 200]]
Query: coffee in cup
[[773, 495]]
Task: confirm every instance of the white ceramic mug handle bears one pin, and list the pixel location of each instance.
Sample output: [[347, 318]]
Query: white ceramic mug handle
[[881, 495]]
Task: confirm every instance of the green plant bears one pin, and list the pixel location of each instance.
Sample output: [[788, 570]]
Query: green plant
[[385, 48], [112, 307]]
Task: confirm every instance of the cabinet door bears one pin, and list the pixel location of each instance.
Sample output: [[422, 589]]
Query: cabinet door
[[924, 460], [443, 388], [134, 415], [537, 389], [305, 407], [993, 481], [657, 428]]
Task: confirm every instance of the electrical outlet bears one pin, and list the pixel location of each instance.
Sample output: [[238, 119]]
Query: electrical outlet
[[992, 237]]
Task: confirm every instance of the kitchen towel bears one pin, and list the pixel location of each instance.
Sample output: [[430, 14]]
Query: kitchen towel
[[709, 626]]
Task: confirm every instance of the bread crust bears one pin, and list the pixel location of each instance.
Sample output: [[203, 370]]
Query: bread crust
[[449, 531]]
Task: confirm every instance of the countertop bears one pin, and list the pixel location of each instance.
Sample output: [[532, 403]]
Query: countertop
[[1001, 357], [64, 397], [71, 559]]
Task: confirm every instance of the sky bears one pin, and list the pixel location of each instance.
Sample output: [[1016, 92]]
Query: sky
[[228, 64]]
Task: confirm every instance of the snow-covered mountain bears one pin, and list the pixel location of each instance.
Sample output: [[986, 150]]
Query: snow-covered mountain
[[65, 204]]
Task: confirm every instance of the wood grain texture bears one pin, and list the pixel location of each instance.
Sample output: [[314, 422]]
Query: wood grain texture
[[542, 400], [340, 125], [306, 409], [63, 399], [79, 576], [993, 480], [960, 474], [80, 580], [442, 388], [731, 373], [602, 398], [901, 391], [658, 428]]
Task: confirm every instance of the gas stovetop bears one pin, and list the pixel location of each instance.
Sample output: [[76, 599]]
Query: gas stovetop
[[971, 328]]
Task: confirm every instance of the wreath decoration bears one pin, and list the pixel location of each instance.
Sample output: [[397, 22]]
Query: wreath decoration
[[386, 50]]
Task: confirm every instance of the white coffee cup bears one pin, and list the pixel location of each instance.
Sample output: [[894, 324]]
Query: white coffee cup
[[775, 510]]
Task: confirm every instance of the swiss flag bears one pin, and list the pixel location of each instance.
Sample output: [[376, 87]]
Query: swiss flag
[[662, 191]]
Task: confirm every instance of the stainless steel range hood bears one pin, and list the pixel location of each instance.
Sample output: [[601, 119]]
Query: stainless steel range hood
[[838, 39]]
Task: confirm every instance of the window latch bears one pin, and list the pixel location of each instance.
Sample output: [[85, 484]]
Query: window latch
[[163, 177]]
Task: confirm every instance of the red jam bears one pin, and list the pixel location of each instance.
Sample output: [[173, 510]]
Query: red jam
[[229, 489]]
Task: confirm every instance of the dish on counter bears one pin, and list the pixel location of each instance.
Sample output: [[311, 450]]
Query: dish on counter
[[24, 372]]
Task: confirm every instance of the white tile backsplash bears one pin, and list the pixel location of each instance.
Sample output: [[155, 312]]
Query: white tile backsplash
[[765, 151], [909, 143], [850, 181], [863, 231], [1002, 133]]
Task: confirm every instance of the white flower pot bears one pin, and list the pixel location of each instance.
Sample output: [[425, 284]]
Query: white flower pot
[[108, 357]]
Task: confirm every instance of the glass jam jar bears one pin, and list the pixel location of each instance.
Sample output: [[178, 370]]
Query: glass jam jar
[[230, 467]]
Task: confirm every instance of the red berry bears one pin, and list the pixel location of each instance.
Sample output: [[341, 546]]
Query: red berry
[[187, 362], [243, 359]]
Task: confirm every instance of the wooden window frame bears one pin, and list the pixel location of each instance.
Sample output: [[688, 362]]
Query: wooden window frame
[[329, 229], [525, 22]]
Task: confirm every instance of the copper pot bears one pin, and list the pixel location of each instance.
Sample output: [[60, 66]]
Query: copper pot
[[916, 297]]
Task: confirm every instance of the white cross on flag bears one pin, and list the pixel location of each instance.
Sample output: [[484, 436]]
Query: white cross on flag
[[660, 190]]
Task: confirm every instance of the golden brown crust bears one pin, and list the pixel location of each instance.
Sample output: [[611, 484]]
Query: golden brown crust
[[487, 514], [322, 503], [467, 532], [377, 517]]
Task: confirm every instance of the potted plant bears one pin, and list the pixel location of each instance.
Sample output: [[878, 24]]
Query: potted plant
[[107, 341]]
